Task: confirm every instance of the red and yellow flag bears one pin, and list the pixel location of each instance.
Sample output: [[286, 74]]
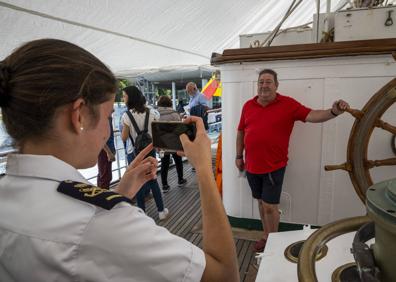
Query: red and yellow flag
[[212, 88]]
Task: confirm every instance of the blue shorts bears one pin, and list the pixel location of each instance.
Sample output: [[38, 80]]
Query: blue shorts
[[267, 186]]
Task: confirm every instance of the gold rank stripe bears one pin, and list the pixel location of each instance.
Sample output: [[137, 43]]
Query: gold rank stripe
[[109, 198], [82, 185]]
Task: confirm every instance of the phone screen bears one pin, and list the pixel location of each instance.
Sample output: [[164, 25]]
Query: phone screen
[[166, 134]]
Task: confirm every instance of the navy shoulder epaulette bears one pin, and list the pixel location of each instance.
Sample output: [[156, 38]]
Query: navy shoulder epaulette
[[103, 198]]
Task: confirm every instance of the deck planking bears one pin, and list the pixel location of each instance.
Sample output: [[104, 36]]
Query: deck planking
[[185, 216]]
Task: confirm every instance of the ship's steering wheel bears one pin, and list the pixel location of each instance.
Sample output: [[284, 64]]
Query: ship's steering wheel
[[358, 166]]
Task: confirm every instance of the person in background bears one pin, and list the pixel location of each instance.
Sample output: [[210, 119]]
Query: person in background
[[135, 102], [196, 97], [264, 131], [198, 105], [168, 114], [105, 159], [58, 227], [180, 106], [129, 149], [153, 111]]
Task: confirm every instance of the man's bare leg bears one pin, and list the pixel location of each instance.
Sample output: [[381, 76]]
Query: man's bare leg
[[262, 216], [271, 217]]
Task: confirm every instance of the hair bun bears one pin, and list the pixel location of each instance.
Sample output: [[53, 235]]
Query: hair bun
[[4, 81]]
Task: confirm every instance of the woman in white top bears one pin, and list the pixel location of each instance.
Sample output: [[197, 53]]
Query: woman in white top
[[135, 102], [55, 100]]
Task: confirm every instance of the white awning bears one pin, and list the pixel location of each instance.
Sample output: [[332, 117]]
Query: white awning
[[138, 36]]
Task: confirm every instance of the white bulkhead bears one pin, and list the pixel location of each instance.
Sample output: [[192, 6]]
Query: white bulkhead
[[310, 195]]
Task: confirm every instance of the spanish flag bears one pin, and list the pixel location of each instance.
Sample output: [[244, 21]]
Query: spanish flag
[[212, 88]]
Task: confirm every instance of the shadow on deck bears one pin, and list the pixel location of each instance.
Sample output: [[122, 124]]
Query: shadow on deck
[[185, 216]]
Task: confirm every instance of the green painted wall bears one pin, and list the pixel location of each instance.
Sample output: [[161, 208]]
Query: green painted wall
[[255, 224]]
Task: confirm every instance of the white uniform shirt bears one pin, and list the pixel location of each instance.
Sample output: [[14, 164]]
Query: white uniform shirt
[[139, 118], [48, 236]]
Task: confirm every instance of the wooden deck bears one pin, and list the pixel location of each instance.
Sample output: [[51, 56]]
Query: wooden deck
[[185, 216]]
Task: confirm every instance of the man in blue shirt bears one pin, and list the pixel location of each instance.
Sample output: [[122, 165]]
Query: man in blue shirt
[[198, 105], [196, 97]]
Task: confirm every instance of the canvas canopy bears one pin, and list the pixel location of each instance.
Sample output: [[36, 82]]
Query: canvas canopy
[[145, 36]]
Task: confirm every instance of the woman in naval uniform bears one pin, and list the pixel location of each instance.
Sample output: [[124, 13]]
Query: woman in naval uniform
[[56, 99]]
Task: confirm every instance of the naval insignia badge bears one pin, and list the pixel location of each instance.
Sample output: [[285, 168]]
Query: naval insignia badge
[[103, 198]]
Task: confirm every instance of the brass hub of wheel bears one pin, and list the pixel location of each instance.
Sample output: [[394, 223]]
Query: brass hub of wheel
[[346, 272], [293, 250]]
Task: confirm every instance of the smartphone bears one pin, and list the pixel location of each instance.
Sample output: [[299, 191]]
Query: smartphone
[[166, 134]]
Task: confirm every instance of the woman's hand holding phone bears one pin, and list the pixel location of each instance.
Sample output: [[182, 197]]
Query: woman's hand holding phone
[[197, 151]]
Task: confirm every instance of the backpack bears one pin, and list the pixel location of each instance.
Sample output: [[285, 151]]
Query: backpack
[[143, 138], [200, 111]]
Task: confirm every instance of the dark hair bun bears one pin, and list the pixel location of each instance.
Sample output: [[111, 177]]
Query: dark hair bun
[[4, 81]]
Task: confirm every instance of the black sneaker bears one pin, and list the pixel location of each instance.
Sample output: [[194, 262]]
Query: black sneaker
[[165, 188], [181, 182]]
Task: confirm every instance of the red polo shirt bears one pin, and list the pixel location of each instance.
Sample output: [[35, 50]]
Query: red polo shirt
[[267, 132]]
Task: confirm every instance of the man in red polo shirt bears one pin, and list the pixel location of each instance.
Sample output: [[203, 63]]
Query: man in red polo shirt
[[264, 131]]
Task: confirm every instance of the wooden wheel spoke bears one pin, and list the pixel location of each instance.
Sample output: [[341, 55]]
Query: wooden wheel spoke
[[386, 126], [344, 166], [355, 113], [385, 162]]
